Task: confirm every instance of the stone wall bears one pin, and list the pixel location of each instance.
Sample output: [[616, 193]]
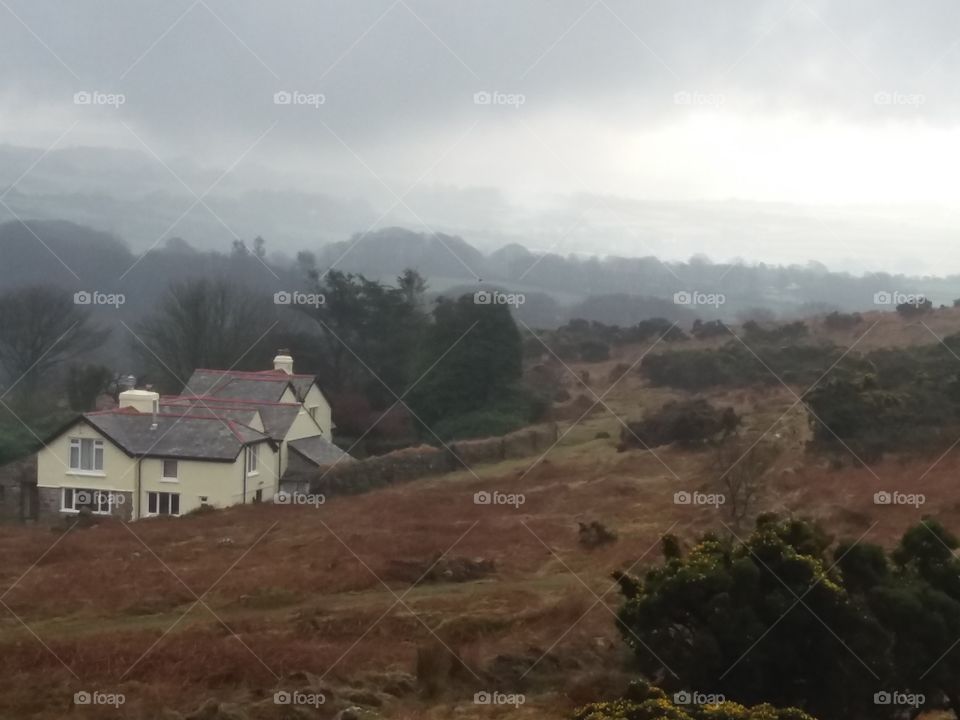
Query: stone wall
[[400, 466], [50, 500], [17, 490]]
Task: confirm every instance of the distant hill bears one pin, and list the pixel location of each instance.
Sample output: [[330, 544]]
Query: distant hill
[[613, 290]]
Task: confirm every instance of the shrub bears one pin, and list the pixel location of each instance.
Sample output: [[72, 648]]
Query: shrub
[[646, 702], [478, 424], [689, 423], [595, 534], [913, 309], [706, 330], [754, 332], [842, 321], [592, 351], [727, 617]]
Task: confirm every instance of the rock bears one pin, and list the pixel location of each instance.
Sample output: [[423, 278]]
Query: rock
[[363, 697]]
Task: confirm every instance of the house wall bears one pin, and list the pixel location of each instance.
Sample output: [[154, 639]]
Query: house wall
[[324, 414], [119, 474], [222, 483], [316, 399]]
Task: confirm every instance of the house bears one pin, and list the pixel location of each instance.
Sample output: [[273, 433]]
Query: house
[[227, 439]]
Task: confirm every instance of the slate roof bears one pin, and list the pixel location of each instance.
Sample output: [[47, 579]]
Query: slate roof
[[318, 450], [176, 435], [276, 417], [264, 386]]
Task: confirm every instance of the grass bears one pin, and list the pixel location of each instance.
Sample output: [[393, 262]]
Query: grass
[[290, 590]]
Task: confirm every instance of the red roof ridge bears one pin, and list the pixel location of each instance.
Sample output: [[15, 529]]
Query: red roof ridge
[[133, 412], [258, 374], [213, 398]]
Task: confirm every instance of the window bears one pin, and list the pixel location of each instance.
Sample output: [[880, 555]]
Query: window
[[86, 455], [99, 502], [170, 469], [161, 503], [258, 496], [253, 459], [313, 412]]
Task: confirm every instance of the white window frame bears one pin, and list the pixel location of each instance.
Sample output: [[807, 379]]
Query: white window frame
[[96, 452], [253, 460], [71, 507], [157, 513], [176, 471]]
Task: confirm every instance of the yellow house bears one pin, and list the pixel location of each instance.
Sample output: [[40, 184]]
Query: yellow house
[[227, 439]]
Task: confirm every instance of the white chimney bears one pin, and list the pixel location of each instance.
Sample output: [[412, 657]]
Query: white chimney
[[283, 361], [143, 401]]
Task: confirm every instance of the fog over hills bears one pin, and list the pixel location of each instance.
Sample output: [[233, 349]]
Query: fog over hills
[[610, 289]]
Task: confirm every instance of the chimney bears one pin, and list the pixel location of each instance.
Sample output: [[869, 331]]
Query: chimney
[[283, 361], [143, 401]]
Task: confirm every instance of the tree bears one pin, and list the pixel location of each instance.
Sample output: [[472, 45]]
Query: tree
[[85, 383], [471, 358], [367, 332], [208, 323], [742, 469], [40, 328], [259, 247]]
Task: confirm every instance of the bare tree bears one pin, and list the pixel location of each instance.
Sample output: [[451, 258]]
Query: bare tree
[[742, 468], [205, 323], [40, 328]]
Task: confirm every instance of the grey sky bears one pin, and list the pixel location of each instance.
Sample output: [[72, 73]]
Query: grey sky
[[778, 131]]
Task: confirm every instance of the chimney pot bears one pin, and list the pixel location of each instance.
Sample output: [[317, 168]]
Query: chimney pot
[[283, 361]]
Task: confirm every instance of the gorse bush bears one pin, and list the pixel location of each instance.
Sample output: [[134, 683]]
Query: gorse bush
[[645, 702], [706, 330], [689, 423], [755, 332], [842, 321], [781, 619]]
